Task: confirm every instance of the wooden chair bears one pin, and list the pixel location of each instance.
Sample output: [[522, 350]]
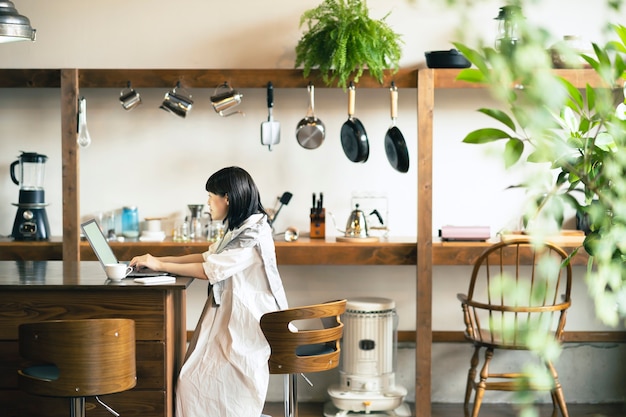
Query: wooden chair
[[297, 351], [78, 359], [536, 297]]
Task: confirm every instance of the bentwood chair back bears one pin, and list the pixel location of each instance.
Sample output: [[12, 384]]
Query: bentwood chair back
[[516, 289], [78, 359], [297, 351]]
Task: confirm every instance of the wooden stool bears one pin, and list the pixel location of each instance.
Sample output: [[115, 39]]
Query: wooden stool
[[295, 352], [78, 359]]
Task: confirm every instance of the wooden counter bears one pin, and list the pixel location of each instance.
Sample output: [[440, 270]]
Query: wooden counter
[[33, 291], [305, 251]]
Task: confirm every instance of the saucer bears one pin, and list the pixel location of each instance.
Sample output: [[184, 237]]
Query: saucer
[[147, 236]]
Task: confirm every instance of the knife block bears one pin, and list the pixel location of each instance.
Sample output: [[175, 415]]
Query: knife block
[[318, 224]]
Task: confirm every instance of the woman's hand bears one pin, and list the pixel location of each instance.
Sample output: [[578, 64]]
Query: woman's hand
[[146, 261]]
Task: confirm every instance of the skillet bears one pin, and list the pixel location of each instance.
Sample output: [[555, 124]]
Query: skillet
[[353, 135]]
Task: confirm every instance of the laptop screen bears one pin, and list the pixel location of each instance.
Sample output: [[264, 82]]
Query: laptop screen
[[98, 242]]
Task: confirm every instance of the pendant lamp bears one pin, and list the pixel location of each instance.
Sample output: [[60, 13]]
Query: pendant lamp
[[13, 26]]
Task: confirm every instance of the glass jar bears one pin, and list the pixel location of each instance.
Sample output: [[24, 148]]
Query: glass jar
[[130, 222], [508, 29], [567, 52]]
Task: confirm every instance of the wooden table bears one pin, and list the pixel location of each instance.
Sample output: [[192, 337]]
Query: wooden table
[[32, 291]]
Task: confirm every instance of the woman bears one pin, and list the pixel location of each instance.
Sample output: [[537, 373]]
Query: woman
[[225, 372]]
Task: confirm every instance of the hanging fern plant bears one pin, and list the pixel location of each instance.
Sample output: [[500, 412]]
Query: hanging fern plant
[[342, 41]]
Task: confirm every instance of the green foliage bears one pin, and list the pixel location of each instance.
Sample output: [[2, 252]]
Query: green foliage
[[342, 40], [579, 135]]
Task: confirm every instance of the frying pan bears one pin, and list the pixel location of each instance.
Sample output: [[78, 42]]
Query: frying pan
[[310, 131], [395, 145], [353, 136]]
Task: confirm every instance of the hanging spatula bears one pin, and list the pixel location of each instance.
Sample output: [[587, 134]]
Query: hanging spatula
[[270, 130]]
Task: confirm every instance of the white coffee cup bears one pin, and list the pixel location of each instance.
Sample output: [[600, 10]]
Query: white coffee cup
[[117, 272]]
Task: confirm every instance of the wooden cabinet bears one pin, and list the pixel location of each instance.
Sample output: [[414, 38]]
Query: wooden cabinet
[[55, 291]]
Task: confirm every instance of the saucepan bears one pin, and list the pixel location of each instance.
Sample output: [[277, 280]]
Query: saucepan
[[310, 131]]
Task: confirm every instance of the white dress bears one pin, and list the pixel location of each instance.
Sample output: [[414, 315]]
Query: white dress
[[225, 373]]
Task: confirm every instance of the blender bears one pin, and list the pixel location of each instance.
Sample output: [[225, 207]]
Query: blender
[[31, 220]]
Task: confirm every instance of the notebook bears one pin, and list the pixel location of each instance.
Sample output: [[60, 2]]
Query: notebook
[[105, 254]]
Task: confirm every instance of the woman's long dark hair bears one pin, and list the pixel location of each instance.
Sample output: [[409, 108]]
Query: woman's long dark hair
[[243, 195]]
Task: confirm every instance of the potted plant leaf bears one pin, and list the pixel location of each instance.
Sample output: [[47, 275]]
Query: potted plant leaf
[[580, 138], [342, 41]]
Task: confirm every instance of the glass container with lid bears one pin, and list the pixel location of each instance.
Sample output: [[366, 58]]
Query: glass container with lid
[[509, 35]]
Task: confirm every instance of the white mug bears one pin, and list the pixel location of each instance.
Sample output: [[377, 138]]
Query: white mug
[[117, 272]]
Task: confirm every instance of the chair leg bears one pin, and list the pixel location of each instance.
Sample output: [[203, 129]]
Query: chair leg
[[77, 407], [482, 384], [558, 399], [290, 394], [471, 377]]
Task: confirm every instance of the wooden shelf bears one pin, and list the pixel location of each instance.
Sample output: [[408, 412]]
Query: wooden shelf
[[191, 78], [302, 252], [446, 78], [465, 253], [241, 78]]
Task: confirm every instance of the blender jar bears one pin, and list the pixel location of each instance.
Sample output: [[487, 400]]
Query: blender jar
[[30, 178], [31, 171]]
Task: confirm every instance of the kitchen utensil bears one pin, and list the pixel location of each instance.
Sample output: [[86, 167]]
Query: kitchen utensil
[[283, 200], [225, 97], [318, 218], [129, 98], [270, 130], [31, 220], [353, 136], [195, 222], [395, 145], [310, 131], [84, 139], [446, 59], [356, 227], [177, 101]]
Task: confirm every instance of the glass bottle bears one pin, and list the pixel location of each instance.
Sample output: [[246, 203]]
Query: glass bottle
[[130, 222]]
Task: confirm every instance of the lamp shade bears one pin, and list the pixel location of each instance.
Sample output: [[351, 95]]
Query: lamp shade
[[13, 26]]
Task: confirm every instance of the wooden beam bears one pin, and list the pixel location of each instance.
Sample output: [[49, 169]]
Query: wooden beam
[[424, 278], [70, 170], [237, 78], [30, 78], [408, 336]]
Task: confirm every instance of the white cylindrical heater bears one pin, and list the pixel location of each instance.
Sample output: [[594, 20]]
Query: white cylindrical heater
[[368, 362]]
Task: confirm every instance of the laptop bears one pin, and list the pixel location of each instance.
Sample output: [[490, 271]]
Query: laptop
[[105, 254]]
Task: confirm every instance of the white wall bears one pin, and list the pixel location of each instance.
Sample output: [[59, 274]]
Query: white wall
[[160, 163]]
